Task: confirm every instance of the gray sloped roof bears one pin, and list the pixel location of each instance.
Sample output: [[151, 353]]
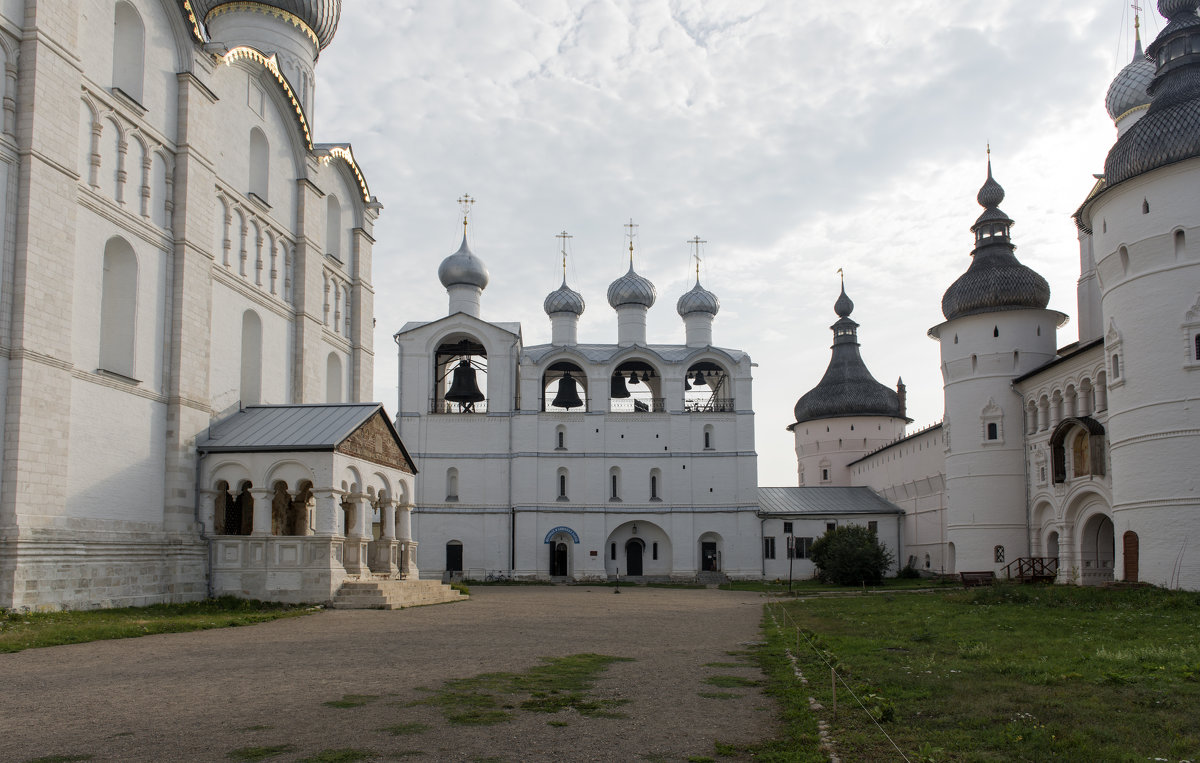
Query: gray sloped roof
[[823, 501], [287, 427]]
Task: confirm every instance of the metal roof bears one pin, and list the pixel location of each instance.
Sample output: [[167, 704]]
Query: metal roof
[[288, 427], [603, 353], [823, 501]]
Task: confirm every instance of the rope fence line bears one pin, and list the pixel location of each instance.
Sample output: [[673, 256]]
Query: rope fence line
[[778, 606]]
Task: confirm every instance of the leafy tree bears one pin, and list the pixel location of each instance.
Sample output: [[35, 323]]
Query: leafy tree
[[851, 555]]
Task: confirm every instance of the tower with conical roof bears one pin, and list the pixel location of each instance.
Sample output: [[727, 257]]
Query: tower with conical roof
[[848, 414], [1142, 224], [997, 327]]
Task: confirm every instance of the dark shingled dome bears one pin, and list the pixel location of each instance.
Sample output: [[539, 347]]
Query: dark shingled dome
[[847, 388], [1170, 130], [321, 16], [995, 280]]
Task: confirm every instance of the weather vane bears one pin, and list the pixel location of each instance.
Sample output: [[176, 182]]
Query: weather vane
[[696, 241], [632, 232], [564, 236], [465, 202]]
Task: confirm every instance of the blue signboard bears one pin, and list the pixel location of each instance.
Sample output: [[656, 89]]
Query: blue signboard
[[560, 529]]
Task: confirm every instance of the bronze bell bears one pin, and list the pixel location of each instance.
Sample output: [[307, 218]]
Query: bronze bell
[[463, 389], [633, 378], [699, 380], [618, 388], [568, 393]]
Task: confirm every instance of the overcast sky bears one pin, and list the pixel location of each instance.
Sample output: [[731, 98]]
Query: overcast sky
[[796, 138]]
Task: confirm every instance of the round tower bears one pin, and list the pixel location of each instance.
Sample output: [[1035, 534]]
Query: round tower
[[631, 296], [296, 31], [997, 327], [848, 414], [1146, 242]]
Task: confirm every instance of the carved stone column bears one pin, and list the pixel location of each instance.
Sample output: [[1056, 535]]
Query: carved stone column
[[208, 511], [408, 546], [328, 511], [261, 523], [357, 540], [384, 550]]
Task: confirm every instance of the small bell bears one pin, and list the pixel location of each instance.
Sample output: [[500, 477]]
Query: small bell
[[633, 378]]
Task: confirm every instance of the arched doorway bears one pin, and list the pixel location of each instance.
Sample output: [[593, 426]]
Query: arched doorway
[[454, 556], [558, 559], [710, 552], [634, 549], [1129, 549], [1097, 550]]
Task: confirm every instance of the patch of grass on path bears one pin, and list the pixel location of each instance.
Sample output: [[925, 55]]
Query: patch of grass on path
[[559, 684], [352, 700], [61, 759], [1001, 673], [37, 629], [719, 695], [404, 729], [803, 587], [260, 752], [344, 755], [730, 682]]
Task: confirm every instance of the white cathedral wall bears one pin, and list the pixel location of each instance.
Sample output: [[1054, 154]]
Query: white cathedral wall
[[228, 307], [912, 475], [1149, 285]]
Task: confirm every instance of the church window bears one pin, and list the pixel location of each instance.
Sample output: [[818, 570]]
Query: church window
[[996, 331], [993, 431], [787, 528], [562, 484], [561, 439], [708, 437], [1179, 245], [927, 561], [998, 552], [1080, 452], [1145, 206], [260, 163], [614, 478], [1116, 366], [654, 485], [452, 484], [118, 303], [830, 526], [612, 551], [129, 50], [333, 227], [769, 548], [654, 551], [1196, 342], [333, 378], [873, 526], [251, 370], [956, 338], [824, 475]]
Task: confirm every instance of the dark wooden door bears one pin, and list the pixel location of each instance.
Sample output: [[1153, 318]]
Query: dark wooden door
[[1130, 543], [708, 556], [454, 557], [633, 557], [558, 560]]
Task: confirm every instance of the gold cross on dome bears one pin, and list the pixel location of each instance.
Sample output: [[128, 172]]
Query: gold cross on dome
[[696, 241], [632, 232], [564, 236], [464, 202]]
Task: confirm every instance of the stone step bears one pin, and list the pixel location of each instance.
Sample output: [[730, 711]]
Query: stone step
[[384, 593]]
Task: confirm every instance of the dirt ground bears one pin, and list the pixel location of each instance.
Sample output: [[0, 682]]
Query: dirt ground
[[200, 696]]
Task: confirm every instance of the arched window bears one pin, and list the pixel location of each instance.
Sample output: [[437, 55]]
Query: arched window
[[260, 163], [1081, 454], [562, 484], [452, 484], [560, 438], [129, 50], [333, 378], [1116, 366], [614, 479], [655, 484], [993, 431], [118, 307], [251, 377], [1180, 245], [333, 227], [708, 437]]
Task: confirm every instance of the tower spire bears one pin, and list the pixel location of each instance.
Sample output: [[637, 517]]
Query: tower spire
[[696, 241], [564, 236], [632, 228], [464, 202]]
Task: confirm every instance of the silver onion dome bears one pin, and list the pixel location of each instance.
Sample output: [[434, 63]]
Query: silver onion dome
[[321, 16], [698, 300], [463, 268], [564, 299], [1128, 90], [631, 289]]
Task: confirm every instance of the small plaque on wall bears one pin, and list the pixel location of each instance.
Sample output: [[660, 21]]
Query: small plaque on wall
[[591, 553]]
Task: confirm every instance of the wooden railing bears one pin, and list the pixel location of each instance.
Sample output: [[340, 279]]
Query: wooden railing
[[1033, 569]]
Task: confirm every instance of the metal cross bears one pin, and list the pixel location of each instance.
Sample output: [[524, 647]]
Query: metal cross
[[696, 241], [564, 236], [465, 202], [632, 232]]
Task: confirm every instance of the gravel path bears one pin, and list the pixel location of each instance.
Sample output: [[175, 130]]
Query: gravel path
[[199, 696]]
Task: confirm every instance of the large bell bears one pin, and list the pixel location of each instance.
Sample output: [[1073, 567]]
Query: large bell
[[568, 393], [463, 389], [699, 381], [618, 388]]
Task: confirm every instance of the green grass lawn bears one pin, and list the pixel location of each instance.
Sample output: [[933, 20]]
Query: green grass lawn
[[995, 674], [34, 629], [812, 585]]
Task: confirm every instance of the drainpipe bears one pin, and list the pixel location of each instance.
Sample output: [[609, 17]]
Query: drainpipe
[[208, 586], [1025, 470], [512, 510], [399, 378], [762, 522]]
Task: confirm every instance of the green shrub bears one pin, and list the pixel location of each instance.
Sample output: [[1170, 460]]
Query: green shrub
[[851, 555]]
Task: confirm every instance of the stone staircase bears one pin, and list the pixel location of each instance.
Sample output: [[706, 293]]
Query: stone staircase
[[711, 578], [384, 593]]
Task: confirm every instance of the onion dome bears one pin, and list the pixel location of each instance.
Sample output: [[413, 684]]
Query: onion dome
[[564, 299], [1170, 130], [995, 280], [847, 388], [320, 16], [463, 268], [631, 289], [1128, 90], [698, 300]]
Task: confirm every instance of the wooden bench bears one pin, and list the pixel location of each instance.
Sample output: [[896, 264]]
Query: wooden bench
[[972, 579]]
